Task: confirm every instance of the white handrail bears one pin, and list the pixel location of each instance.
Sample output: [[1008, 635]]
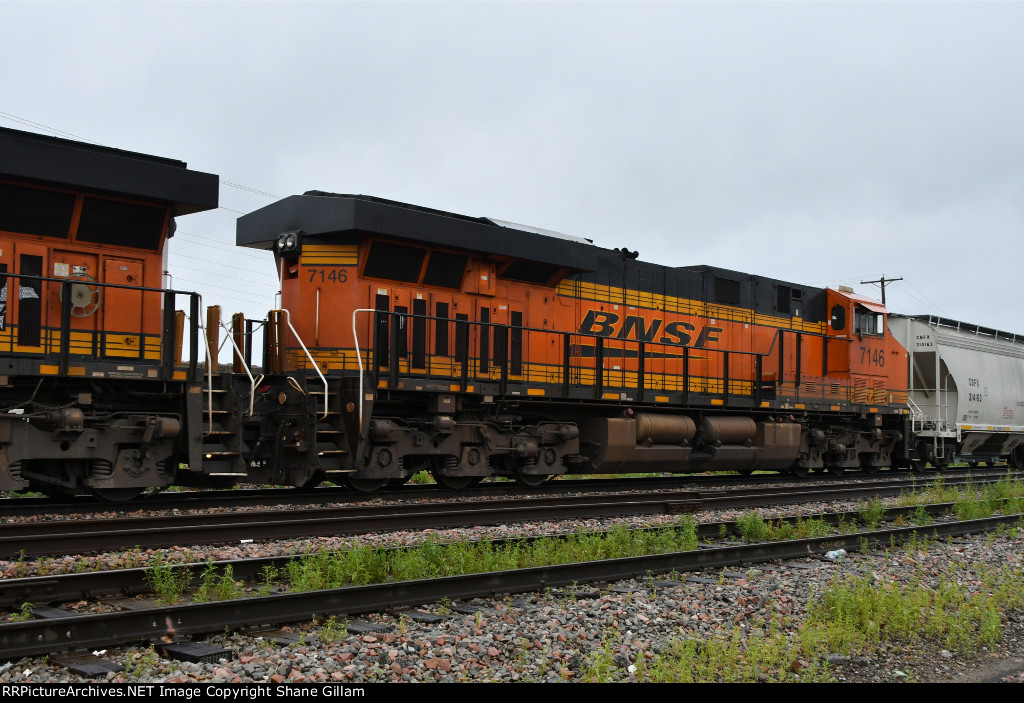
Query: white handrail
[[241, 357], [288, 319]]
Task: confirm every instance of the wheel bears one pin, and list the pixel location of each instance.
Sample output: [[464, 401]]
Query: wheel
[[116, 495], [455, 483], [867, 466], [836, 470], [529, 480], [744, 472], [799, 471], [364, 485], [397, 482]]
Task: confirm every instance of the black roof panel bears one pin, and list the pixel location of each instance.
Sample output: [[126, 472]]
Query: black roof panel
[[37, 157], [320, 214]]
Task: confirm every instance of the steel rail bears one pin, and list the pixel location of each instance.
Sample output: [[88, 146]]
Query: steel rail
[[19, 639], [133, 581], [70, 537], [189, 500]]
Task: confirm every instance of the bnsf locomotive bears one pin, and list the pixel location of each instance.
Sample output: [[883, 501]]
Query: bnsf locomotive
[[411, 339]]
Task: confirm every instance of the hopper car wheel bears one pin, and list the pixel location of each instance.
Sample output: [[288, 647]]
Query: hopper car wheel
[[836, 470], [800, 471], [744, 472], [1016, 460], [868, 468], [455, 483], [116, 495], [917, 466], [364, 485]]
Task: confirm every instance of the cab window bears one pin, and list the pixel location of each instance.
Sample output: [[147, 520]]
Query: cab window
[[868, 322]]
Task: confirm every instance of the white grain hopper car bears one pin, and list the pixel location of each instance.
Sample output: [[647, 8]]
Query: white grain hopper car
[[966, 392]]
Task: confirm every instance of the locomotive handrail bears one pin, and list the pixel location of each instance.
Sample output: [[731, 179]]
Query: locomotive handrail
[[167, 351], [209, 366], [316, 367], [359, 361], [599, 341]]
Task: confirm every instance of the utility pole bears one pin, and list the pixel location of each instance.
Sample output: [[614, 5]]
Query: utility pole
[[882, 281]]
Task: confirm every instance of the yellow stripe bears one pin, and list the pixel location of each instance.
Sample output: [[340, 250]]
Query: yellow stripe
[[717, 401], [683, 306], [535, 391], [661, 399], [799, 406]]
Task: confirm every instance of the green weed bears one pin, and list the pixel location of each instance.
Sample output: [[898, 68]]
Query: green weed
[[218, 586], [167, 582], [871, 512]]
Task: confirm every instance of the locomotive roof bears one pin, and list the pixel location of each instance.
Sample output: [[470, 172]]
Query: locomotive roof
[[65, 162], [320, 214]]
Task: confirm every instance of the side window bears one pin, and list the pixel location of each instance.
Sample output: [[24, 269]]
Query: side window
[[838, 317]]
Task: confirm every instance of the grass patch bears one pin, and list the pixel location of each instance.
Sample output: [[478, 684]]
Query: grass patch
[[754, 528], [218, 586], [857, 614], [853, 615], [366, 565], [769, 658]]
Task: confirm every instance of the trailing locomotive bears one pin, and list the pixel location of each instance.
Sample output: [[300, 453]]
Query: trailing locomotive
[[413, 339], [473, 347]]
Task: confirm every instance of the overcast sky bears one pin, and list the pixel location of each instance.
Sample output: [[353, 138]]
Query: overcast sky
[[821, 143]]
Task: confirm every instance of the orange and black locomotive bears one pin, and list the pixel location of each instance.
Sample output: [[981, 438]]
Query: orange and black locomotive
[[474, 347], [407, 339]]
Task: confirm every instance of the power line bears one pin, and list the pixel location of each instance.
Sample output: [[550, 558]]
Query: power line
[[263, 256], [30, 123], [251, 190]]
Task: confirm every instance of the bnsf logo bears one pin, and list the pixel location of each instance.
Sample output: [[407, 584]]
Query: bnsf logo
[[679, 333]]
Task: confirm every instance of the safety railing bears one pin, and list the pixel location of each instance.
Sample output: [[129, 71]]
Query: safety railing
[[27, 327], [588, 366]]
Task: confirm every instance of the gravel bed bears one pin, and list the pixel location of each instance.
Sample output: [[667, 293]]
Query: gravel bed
[[559, 636], [606, 632]]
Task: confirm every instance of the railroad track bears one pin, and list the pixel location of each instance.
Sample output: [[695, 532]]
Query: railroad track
[[34, 539], [163, 623], [252, 497]]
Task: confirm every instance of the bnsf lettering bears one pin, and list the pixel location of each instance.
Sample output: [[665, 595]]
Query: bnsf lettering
[[633, 328], [678, 333], [599, 323]]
